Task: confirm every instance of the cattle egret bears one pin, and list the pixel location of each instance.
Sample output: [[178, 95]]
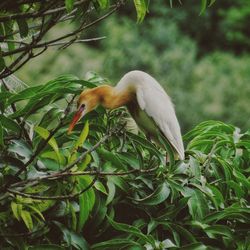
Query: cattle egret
[[147, 102]]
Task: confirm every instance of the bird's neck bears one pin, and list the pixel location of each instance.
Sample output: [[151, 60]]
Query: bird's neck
[[111, 98]]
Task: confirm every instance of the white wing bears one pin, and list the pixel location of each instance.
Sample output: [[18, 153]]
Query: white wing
[[156, 103]]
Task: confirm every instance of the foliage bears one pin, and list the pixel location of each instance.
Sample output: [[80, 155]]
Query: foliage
[[227, 21], [24, 25], [105, 188]]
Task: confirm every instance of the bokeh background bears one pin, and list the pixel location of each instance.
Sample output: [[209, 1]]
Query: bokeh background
[[203, 61]]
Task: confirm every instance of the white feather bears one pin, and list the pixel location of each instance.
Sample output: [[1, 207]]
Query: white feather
[[152, 99]]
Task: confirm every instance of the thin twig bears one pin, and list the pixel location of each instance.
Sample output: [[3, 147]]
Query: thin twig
[[21, 60], [210, 155], [57, 197], [37, 13], [22, 234], [59, 43], [81, 28], [61, 174], [43, 144], [67, 168], [27, 53], [20, 122], [67, 174]]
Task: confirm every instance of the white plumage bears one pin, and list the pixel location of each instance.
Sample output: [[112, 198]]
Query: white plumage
[[154, 101], [146, 100]]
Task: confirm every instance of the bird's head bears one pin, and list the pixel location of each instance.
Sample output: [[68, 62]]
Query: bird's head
[[88, 100]]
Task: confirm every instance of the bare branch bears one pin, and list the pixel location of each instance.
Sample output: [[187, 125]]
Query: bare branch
[[58, 197], [37, 13], [27, 48], [73, 33], [20, 122], [67, 174]]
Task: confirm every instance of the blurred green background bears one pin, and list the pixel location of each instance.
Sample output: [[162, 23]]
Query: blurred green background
[[202, 61]]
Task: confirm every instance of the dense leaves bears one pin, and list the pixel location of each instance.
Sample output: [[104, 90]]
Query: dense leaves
[[120, 194]]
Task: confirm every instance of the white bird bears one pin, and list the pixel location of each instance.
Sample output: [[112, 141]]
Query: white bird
[[147, 102]]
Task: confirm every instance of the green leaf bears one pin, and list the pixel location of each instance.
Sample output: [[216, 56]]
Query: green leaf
[[1, 180], [241, 178], [171, 3], [130, 159], [46, 247], [141, 9], [8, 27], [24, 94], [120, 182], [2, 62], [169, 150], [44, 133], [111, 157], [72, 239], [239, 192], [16, 209], [21, 148], [69, 5], [197, 204], [36, 211], [211, 3], [82, 136], [49, 116], [104, 4], [114, 244], [214, 230], [82, 166], [146, 145], [84, 211], [37, 189], [203, 6], [218, 197], [27, 219], [100, 187], [194, 246], [184, 232], [23, 27], [54, 156], [86, 200], [130, 229], [111, 192], [9, 124], [158, 196], [73, 217], [1, 135]]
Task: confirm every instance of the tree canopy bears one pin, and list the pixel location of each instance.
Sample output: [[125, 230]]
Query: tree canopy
[[106, 186]]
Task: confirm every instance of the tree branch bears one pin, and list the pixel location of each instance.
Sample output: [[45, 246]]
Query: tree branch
[[20, 122], [67, 174], [58, 197], [42, 145], [27, 49], [37, 13]]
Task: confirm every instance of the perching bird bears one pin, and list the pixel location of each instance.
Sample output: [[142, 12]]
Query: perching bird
[[146, 100]]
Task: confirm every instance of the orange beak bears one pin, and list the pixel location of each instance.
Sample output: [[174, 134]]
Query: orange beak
[[75, 119]]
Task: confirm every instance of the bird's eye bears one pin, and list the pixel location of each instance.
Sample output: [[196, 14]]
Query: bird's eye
[[82, 106]]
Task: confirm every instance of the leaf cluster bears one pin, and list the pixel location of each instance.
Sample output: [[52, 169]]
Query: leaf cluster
[[104, 187]]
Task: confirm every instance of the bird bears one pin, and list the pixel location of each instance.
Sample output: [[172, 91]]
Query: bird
[[147, 102]]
